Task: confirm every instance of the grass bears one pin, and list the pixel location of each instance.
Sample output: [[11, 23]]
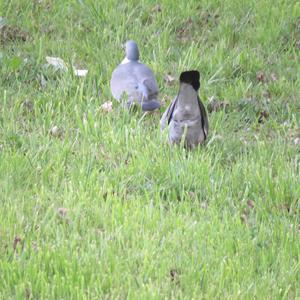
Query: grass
[[105, 208]]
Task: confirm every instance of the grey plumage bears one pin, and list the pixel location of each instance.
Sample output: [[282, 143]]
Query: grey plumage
[[186, 116], [135, 81]]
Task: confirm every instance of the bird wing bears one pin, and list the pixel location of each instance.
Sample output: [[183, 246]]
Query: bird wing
[[146, 77], [122, 81], [204, 118], [134, 78], [167, 116]]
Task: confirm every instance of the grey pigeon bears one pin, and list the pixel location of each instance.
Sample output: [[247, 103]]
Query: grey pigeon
[[135, 80], [186, 115]]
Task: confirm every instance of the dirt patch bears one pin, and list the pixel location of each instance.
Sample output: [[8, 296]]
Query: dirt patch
[[12, 34], [193, 26]]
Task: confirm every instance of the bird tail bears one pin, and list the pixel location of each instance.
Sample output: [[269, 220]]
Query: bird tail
[[147, 103], [143, 90]]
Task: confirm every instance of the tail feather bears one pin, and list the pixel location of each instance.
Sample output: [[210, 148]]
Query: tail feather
[[148, 101], [144, 91]]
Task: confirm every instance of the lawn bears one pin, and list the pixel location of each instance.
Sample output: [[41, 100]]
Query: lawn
[[96, 205]]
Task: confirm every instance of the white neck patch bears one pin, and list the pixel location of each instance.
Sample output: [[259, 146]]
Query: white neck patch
[[126, 61]]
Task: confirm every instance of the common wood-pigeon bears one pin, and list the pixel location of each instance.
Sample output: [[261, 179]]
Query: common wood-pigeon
[[135, 81]]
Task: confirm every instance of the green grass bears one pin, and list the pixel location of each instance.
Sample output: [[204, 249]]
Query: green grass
[[141, 220]]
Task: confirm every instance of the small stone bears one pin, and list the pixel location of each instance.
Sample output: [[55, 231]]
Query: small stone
[[297, 141], [55, 131]]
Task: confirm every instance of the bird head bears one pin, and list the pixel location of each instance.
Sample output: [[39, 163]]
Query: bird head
[[192, 78], [132, 50]]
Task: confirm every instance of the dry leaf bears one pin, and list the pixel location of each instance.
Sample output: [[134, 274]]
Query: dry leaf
[[102, 152], [267, 95], [285, 207], [28, 105], [102, 149], [244, 218], [57, 63], [35, 246], [297, 141], [169, 79], [80, 73], [107, 106], [11, 33], [174, 274], [250, 204], [28, 294], [192, 195], [3, 22], [62, 211], [17, 241], [215, 105], [204, 205], [261, 77], [264, 115], [165, 99], [274, 77], [157, 8], [184, 31], [43, 81]]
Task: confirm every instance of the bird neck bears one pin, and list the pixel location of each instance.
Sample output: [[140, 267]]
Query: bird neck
[[126, 61], [188, 97]]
